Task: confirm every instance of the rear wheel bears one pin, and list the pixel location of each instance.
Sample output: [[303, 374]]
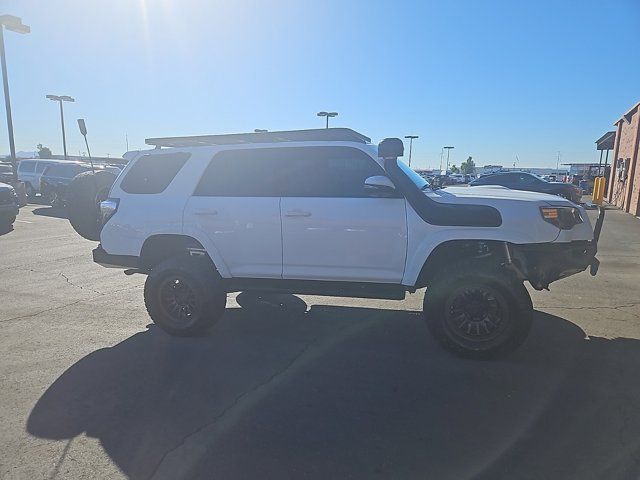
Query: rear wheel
[[183, 296], [478, 311]]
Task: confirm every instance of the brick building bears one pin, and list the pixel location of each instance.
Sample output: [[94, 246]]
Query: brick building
[[624, 181]]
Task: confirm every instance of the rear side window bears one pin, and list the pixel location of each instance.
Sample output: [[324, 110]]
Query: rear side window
[[153, 173], [243, 173], [41, 166], [27, 167]]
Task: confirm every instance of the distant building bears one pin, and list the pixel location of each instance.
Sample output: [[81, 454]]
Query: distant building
[[624, 179]]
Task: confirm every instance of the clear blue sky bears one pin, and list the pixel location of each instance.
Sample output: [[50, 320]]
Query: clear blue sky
[[495, 79]]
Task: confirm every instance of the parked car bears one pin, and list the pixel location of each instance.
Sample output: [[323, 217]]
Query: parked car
[[57, 177], [8, 206], [30, 171], [531, 183], [6, 173], [324, 212]]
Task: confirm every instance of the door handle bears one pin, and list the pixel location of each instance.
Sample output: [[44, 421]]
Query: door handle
[[297, 213], [205, 212]]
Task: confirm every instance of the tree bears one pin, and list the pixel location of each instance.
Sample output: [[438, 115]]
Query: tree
[[454, 169], [468, 166], [44, 152]]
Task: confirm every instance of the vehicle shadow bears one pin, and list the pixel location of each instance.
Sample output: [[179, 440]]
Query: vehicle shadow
[[343, 392], [57, 212], [6, 229]]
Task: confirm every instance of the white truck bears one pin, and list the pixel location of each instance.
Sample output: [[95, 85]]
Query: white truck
[[325, 212]]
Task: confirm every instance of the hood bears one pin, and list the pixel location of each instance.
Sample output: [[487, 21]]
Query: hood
[[492, 192], [4, 187]]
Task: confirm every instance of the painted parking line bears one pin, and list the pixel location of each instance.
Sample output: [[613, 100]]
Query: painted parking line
[[23, 221]]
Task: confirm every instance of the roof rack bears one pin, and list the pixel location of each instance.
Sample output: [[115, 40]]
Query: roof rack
[[318, 134]]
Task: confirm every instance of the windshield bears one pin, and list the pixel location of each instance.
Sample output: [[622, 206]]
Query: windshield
[[415, 177]]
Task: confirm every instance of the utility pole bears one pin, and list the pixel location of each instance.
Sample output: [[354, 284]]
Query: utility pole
[[15, 25], [448, 150], [60, 99], [328, 115], [410, 137], [558, 163]]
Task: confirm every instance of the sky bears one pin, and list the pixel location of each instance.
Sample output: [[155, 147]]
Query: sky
[[501, 81]]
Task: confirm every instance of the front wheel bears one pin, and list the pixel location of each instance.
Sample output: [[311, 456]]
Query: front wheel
[[183, 296], [478, 312]]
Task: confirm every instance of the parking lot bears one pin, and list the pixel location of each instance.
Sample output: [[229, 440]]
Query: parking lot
[[324, 388]]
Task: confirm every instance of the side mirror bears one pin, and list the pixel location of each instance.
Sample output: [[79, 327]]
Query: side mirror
[[379, 186]]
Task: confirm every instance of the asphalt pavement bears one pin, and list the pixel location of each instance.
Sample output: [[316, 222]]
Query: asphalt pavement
[[317, 388]]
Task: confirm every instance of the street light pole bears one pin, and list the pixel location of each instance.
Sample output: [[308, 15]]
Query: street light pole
[[327, 115], [410, 137], [448, 150], [60, 99], [15, 25]]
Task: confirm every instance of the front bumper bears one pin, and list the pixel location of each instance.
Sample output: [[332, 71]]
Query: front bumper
[[544, 263]]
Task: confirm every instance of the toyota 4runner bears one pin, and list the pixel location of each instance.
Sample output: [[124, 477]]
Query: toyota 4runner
[[325, 212]]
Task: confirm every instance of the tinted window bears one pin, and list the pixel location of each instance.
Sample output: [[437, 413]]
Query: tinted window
[[41, 166], [526, 179], [292, 172], [153, 173], [243, 173], [27, 167], [64, 171], [328, 172]]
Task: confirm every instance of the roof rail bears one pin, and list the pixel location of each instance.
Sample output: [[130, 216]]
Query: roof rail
[[318, 134]]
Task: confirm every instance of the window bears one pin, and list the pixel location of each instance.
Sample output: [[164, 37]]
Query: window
[[243, 173], [27, 167], [526, 179], [41, 166], [328, 172], [153, 173], [64, 170], [291, 172]]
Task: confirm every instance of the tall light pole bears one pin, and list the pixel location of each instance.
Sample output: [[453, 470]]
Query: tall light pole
[[410, 137], [60, 99], [328, 115], [15, 25], [448, 150]]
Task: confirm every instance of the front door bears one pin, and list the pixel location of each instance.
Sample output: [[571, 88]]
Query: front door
[[332, 229]]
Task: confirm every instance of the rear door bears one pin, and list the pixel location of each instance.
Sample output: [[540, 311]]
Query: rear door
[[236, 205], [332, 229]]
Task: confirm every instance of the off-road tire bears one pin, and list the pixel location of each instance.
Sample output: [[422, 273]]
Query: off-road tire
[[84, 194], [184, 297], [478, 310]]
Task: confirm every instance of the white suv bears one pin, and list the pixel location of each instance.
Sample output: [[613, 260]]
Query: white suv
[[325, 212]]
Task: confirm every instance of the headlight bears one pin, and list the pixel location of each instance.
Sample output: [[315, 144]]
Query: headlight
[[564, 218]]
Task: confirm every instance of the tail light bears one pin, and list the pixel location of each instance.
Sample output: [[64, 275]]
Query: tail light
[[107, 208]]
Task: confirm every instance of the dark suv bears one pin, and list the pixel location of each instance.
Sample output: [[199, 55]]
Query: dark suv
[[8, 206], [531, 183], [57, 177]]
